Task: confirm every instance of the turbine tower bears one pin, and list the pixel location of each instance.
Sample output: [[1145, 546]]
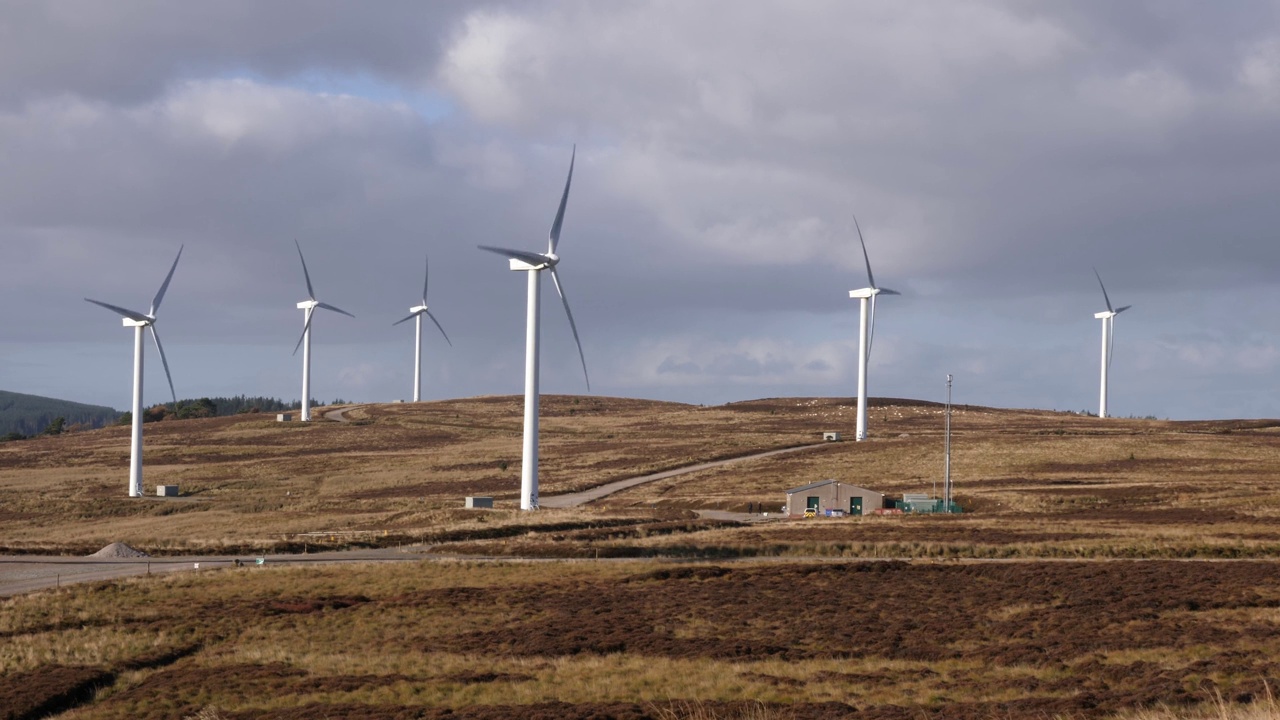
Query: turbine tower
[[1108, 341], [534, 264], [418, 312], [138, 321], [304, 342], [867, 296]]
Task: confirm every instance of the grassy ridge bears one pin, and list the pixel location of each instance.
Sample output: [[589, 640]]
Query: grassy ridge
[[1103, 568], [1034, 484]]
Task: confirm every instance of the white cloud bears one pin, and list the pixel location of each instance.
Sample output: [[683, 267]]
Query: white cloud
[[492, 58], [276, 119]]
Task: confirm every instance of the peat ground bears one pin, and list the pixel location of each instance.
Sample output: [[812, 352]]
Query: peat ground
[[884, 639], [1100, 566]]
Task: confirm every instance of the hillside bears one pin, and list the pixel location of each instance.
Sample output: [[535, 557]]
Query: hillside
[[1033, 483], [30, 414], [1102, 566]]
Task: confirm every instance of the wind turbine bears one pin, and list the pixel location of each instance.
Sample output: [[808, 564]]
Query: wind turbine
[[1108, 341], [138, 321], [534, 264], [418, 312], [868, 297], [304, 342]]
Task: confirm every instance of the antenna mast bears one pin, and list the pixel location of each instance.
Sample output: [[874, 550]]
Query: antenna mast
[[946, 478]]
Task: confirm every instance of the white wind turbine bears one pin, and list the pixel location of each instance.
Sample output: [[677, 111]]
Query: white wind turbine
[[304, 342], [1108, 341], [418, 312], [138, 321], [534, 264], [868, 297]]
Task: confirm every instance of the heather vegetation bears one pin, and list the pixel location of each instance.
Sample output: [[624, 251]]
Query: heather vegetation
[[598, 640], [1126, 567]]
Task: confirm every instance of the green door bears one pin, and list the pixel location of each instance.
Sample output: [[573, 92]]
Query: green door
[[855, 506], [813, 502]]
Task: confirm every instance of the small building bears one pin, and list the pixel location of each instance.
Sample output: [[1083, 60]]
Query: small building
[[167, 490], [833, 496], [922, 503], [284, 417], [831, 436], [477, 502]]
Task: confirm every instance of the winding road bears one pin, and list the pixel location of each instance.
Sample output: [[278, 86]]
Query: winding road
[[27, 573], [569, 500]]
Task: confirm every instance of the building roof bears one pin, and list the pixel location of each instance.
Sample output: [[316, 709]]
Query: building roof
[[821, 483], [811, 486]]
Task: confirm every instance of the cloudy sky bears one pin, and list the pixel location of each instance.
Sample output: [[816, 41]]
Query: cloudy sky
[[993, 152]]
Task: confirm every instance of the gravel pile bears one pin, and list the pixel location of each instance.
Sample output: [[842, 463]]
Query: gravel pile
[[119, 550]]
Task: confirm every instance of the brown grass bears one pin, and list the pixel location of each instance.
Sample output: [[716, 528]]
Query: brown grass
[[403, 469], [1009, 609], [1038, 484], [654, 640]]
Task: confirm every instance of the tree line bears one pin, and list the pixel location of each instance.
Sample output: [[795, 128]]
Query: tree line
[[26, 416], [217, 407]]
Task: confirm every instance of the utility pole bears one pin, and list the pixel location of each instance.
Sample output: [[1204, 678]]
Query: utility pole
[[946, 476]]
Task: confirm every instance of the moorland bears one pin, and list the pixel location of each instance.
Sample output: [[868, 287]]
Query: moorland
[[1102, 567]]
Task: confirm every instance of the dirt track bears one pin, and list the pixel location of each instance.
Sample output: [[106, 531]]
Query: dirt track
[[582, 498], [26, 573]]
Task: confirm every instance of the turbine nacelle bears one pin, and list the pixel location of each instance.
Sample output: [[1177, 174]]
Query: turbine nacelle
[[130, 322], [871, 292], [308, 304], [526, 264], [418, 309]]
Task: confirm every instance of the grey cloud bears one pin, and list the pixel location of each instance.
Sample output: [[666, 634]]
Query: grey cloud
[[671, 365], [994, 152], [131, 50]]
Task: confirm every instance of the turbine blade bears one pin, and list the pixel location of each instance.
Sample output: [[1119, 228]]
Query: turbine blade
[[407, 319], [870, 278], [887, 291], [1104, 290], [553, 238], [871, 336], [310, 293], [426, 274], [1111, 339], [529, 257], [442, 332], [305, 327], [1120, 310], [327, 306], [155, 304], [163, 361], [121, 311], [555, 277]]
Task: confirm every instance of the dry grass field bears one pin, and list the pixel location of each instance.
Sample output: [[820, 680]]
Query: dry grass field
[[396, 471], [1126, 568], [585, 639], [1037, 483]]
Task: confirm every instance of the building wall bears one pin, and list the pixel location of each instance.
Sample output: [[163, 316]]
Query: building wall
[[834, 496]]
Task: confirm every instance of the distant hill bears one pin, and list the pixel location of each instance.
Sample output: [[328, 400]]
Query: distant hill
[[30, 414]]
